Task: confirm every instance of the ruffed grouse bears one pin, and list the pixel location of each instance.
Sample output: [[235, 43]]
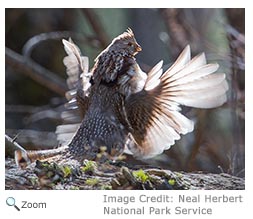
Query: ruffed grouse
[[119, 107]]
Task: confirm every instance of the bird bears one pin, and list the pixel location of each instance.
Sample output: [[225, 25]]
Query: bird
[[117, 108]]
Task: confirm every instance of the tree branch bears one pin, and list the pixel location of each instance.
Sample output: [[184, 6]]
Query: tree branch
[[35, 140], [96, 26], [36, 72], [57, 35], [11, 145]]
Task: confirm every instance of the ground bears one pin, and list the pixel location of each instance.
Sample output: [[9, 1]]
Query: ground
[[92, 175]]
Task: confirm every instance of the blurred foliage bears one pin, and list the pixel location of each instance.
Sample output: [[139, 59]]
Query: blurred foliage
[[216, 145]]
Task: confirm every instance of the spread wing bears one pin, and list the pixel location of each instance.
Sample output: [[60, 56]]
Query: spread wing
[[154, 111], [78, 81]]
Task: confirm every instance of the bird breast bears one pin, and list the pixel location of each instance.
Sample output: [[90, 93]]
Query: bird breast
[[133, 81]]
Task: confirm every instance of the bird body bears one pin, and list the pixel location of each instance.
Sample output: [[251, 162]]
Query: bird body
[[123, 109], [104, 124]]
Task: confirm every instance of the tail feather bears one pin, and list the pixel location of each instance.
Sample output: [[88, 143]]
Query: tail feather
[[24, 158]]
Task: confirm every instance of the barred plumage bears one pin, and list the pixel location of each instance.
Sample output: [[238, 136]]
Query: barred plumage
[[124, 109]]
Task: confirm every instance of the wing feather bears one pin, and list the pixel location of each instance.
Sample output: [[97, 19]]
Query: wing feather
[[66, 132], [154, 76], [78, 81], [154, 112]]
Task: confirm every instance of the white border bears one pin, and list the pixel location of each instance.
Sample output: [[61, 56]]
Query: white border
[[67, 204], [127, 4]]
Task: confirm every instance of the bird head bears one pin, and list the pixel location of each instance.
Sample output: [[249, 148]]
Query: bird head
[[126, 43], [111, 63]]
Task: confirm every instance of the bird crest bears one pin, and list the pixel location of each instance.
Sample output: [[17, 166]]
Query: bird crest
[[128, 34]]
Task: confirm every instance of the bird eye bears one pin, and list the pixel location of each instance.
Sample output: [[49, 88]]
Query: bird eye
[[130, 44]]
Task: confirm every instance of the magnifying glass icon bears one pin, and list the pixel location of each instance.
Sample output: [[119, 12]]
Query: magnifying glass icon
[[11, 202]]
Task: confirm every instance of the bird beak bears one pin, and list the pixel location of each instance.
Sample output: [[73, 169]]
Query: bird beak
[[138, 48]]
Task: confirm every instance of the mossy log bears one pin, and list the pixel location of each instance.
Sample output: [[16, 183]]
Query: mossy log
[[92, 175]]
